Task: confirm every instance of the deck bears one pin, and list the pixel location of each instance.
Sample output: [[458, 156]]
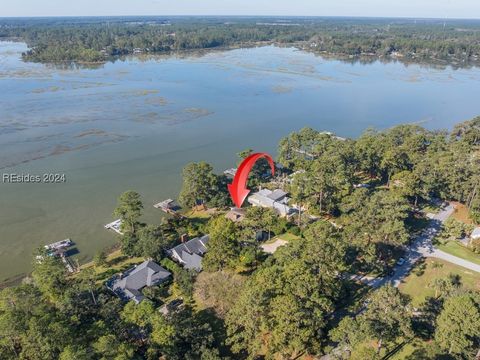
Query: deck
[[60, 249], [115, 226], [169, 206]]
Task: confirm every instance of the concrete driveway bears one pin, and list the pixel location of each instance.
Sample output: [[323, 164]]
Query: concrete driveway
[[422, 246]]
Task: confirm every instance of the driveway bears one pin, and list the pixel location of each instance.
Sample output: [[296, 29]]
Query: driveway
[[439, 254], [422, 246]]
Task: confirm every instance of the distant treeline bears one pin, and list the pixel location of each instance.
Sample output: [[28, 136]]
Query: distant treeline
[[98, 39]]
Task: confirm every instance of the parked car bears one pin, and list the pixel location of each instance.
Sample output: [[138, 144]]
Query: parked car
[[401, 261]]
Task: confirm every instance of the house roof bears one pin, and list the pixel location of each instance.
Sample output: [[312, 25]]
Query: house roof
[[264, 192], [133, 294], [192, 261], [283, 208], [235, 214], [276, 200], [277, 195], [190, 253], [147, 273], [238, 211]]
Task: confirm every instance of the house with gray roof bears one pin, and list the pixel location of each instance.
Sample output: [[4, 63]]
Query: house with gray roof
[[128, 286], [276, 200], [190, 253]]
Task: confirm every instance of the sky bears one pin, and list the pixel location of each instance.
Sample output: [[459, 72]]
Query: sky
[[374, 8]]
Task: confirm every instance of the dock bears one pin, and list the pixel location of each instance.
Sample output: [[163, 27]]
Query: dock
[[115, 226], [60, 249], [66, 260], [230, 172], [59, 245], [169, 206]]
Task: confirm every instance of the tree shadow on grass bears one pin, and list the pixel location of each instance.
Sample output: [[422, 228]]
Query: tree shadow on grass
[[420, 267]]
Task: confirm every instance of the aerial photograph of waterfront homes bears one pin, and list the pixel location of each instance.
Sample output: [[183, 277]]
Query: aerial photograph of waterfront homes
[[252, 180]]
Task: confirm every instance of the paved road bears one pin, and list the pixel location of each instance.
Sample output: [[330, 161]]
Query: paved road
[[439, 254], [422, 246]]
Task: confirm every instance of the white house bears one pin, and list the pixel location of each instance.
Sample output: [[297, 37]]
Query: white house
[[276, 200]]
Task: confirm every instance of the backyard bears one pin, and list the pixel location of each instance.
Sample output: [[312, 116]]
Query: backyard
[[116, 262]]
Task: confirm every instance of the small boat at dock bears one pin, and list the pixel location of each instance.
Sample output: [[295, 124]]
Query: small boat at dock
[[60, 249], [59, 245]]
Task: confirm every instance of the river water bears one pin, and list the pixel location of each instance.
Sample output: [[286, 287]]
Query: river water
[[134, 123]]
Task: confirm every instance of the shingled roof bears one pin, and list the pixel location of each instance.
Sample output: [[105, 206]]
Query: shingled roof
[[275, 200], [190, 253], [132, 281]]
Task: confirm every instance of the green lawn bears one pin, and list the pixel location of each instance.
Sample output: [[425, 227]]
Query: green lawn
[[457, 249], [116, 262], [197, 214], [287, 237], [199, 217], [416, 285]]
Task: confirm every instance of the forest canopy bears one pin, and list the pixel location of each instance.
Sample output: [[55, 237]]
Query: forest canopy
[[301, 300], [98, 39]]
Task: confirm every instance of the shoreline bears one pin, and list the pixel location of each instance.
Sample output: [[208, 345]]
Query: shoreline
[[17, 279], [109, 252], [301, 46], [12, 277], [13, 280]]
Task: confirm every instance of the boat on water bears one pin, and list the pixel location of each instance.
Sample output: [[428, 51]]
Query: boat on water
[[59, 245]]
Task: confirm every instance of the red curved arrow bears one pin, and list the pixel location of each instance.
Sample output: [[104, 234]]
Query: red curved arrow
[[238, 188]]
